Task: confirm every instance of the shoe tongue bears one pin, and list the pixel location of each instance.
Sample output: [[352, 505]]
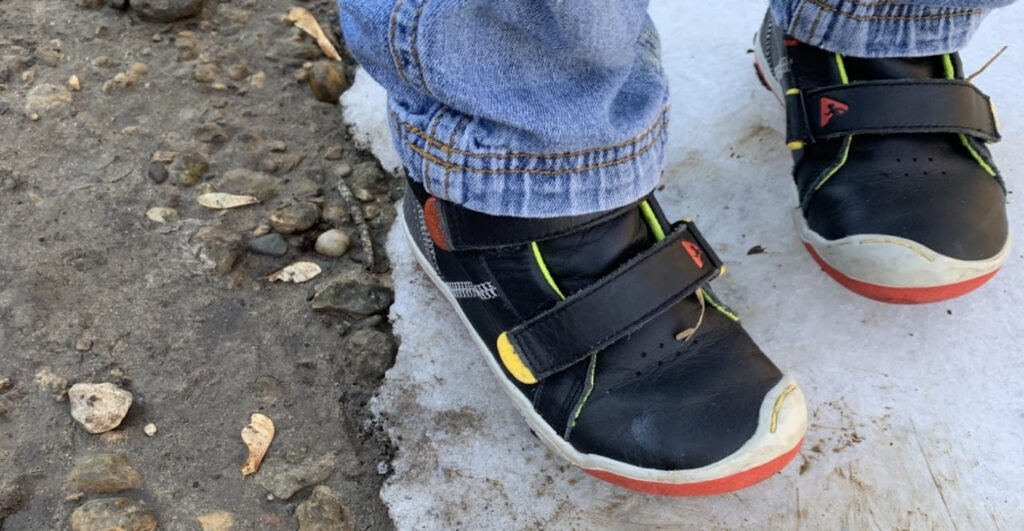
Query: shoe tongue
[[859, 69], [578, 260]]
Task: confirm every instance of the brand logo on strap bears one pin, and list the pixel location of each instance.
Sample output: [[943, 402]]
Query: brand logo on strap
[[830, 109], [695, 254]]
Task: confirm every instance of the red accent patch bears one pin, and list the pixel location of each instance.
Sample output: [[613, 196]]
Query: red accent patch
[[695, 254], [895, 295], [790, 41], [740, 480], [432, 217], [830, 109]]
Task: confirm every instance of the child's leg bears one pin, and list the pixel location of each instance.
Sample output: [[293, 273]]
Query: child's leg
[[519, 107]]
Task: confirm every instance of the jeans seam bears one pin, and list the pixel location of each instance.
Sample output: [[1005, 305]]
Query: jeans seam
[[435, 122], [659, 124], [655, 141], [823, 6], [393, 43], [413, 45]]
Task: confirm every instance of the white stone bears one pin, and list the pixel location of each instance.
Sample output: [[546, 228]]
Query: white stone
[[99, 407], [334, 242]]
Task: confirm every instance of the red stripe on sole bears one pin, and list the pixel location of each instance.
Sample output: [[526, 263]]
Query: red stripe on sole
[[896, 295], [711, 487]]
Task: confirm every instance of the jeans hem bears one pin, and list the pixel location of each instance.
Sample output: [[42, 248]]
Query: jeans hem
[[439, 152], [878, 28]]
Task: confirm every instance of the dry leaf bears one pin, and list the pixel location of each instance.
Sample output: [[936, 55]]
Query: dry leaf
[[220, 201], [304, 20], [298, 273], [257, 436]]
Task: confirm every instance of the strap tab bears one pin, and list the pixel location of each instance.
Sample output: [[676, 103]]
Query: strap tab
[[465, 230], [888, 107], [617, 305]]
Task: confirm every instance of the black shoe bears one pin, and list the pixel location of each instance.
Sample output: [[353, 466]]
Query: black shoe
[[899, 199], [603, 332]]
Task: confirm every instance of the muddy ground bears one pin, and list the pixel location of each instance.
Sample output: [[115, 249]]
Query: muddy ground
[[174, 307]]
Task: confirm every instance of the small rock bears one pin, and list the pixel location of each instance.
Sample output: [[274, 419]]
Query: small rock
[[374, 348], [5, 384], [272, 244], [188, 48], [334, 242], [258, 79], [89, 4], [163, 156], [283, 480], [162, 214], [335, 152], [247, 182], [217, 248], [324, 511], [138, 70], [99, 407], [119, 5], [269, 165], [105, 61], [334, 212], [104, 473], [50, 382], [222, 521], [211, 133], [188, 168], [83, 344], [167, 10], [303, 188], [75, 83], [367, 174], [238, 72], [157, 172], [294, 218], [757, 249], [364, 195], [278, 146], [355, 299], [327, 81], [287, 163], [120, 514], [45, 98], [150, 430], [206, 72], [12, 496]]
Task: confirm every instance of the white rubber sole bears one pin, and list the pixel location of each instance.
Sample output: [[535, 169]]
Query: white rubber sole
[[781, 426]]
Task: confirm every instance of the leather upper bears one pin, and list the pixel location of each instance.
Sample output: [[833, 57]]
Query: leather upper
[[645, 398], [913, 165]]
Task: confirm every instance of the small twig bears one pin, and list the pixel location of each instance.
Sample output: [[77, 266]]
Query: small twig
[[357, 217], [985, 66]]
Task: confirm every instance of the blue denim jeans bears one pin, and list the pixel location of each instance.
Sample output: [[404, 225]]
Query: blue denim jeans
[[546, 108]]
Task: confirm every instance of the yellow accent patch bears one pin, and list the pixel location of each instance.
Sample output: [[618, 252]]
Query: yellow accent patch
[[793, 92], [510, 358], [778, 407], [796, 145]]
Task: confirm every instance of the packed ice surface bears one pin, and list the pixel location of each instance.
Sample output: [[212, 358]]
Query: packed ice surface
[[917, 413]]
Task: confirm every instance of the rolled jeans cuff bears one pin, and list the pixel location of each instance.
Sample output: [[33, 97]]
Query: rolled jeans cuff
[[440, 149], [860, 28]]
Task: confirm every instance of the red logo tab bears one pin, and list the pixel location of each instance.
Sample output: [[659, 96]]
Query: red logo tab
[[695, 254], [830, 109]]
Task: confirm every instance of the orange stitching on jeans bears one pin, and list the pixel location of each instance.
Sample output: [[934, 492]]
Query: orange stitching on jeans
[[660, 123], [820, 4], [393, 31], [433, 131], [413, 38], [448, 167]]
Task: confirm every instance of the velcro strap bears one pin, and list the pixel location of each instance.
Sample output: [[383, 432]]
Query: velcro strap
[[617, 305], [465, 230], [887, 107]]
